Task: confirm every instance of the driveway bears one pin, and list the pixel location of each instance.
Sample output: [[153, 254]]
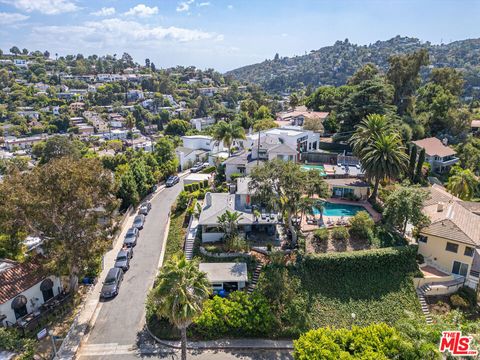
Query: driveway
[[119, 321]]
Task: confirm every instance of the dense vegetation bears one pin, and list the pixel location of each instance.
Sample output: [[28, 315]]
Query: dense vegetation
[[333, 65]]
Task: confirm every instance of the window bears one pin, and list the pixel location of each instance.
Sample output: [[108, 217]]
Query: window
[[468, 251], [47, 294], [460, 268], [423, 238], [452, 247]]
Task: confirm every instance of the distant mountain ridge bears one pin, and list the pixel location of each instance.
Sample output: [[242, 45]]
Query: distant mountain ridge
[[333, 65]]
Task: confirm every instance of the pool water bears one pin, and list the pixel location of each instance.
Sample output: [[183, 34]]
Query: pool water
[[319, 168], [332, 209]]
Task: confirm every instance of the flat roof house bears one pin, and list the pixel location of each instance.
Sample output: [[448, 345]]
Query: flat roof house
[[440, 156], [226, 276], [451, 243]]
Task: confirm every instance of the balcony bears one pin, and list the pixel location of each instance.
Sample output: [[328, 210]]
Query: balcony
[[446, 161]]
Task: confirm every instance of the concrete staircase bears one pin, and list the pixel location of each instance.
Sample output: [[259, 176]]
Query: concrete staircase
[[421, 291], [256, 275], [190, 238], [189, 248]]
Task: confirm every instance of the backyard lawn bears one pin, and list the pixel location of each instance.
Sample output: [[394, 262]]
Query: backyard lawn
[[324, 290]]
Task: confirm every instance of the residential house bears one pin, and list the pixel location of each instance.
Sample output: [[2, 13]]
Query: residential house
[[208, 91], [240, 164], [21, 63], [451, 243], [298, 116], [76, 106], [270, 148], [202, 123], [475, 126], [24, 287], [196, 148], [23, 143], [135, 95], [226, 276], [294, 136], [348, 188], [440, 156], [96, 120], [249, 225]]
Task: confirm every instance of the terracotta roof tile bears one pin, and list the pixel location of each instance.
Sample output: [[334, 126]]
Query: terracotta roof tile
[[16, 278]]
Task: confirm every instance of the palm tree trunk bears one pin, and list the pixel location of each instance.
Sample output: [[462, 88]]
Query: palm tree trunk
[[373, 197], [183, 331]]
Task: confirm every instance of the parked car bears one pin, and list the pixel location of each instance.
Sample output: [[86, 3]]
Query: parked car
[[139, 221], [131, 237], [112, 282], [123, 259], [145, 208], [172, 180], [198, 167]]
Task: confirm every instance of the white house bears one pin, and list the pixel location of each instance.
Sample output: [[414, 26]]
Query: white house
[[23, 289], [20, 63], [196, 148], [226, 276], [22, 143], [202, 123], [294, 136], [440, 156]]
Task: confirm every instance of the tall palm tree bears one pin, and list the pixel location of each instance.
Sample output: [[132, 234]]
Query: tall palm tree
[[462, 183], [228, 221], [383, 157], [180, 293], [227, 132], [370, 127]]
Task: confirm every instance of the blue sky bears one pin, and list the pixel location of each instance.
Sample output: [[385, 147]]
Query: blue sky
[[225, 34]]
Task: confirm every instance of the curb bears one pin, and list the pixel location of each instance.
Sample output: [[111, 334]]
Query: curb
[[195, 345]]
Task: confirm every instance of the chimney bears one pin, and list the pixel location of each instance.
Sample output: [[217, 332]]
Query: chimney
[[208, 198], [440, 206], [445, 141]]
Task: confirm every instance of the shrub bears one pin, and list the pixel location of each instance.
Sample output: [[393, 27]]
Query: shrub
[[236, 244], [195, 186], [192, 207], [376, 341], [235, 176], [340, 233], [11, 340], [321, 235], [420, 258], [459, 302], [239, 315], [205, 183], [209, 170], [213, 249], [188, 188], [361, 226], [468, 294], [182, 201]]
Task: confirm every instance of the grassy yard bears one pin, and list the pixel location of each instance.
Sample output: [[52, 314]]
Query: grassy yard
[[326, 289]]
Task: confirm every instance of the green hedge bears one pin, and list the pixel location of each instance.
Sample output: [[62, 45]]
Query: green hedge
[[209, 170], [400, 259]]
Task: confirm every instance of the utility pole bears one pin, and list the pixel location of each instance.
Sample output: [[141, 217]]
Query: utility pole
[[258, 147]]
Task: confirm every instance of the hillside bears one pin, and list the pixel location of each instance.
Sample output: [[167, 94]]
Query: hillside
[[332, 65]]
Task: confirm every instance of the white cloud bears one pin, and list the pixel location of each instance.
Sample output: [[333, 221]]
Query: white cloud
[[142, 10], [104, 11], [204, 4], [184, 5], [230, 7], [48, 7], [120, 33], [11, 18]]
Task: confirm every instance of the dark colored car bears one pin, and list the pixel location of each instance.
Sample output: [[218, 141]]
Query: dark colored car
[[131, 237], [112, 282], [145, 208], [123, 259], [172, 180], [139, 221]]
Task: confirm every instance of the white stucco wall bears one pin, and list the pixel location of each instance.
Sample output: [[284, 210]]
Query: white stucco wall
[[34, 293]]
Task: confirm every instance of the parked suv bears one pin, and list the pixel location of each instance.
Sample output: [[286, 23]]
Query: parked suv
[[112, 282], [139, 221], [172, 180], [123, 259], [131, 237], [145, 208]]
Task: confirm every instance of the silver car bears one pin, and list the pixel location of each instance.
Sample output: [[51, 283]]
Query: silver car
[[123, 259], [131, 237], [112, 282]]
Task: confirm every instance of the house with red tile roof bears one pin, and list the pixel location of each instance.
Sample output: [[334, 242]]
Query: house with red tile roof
[[24, 288]]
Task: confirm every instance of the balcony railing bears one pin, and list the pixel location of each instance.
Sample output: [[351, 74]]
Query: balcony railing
[[447, 162]]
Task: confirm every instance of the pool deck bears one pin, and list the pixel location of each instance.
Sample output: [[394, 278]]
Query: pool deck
[[331, 221]]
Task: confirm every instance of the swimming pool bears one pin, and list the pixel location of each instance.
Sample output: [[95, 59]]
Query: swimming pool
[[333, 209], [319, 168]]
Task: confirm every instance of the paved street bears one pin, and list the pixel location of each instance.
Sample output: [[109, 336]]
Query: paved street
[[120, 320]]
